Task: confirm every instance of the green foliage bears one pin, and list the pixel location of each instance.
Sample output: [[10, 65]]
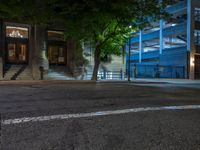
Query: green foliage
[[104, 22]]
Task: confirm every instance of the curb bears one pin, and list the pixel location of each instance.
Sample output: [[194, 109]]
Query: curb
[[31, 82], [35, 82]]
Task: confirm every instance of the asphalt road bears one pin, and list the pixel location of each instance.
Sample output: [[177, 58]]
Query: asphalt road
[[145, 130]]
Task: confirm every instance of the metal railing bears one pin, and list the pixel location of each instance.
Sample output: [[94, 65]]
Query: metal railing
[[108, 75], [141, 71], [157, 71], [176, 7], [172, 30], [197, 15]]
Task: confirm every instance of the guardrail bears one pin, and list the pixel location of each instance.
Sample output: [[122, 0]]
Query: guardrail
[[173, 30], [176, 7]]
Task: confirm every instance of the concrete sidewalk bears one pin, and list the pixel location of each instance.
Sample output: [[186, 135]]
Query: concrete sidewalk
[[171, 81], [138, 80], [155, 80], [30, 82]]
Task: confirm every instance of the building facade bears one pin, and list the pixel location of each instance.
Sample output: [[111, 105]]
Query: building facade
[[28, 52], [168, 48]]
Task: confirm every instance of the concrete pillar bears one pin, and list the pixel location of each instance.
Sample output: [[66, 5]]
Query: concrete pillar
[[71, 48], [1, 50], [73, 51], [1, 68], [40, 50], [140, 46], [190, 38], [129, 59], [161, 36], [161, 32], [1, 38]]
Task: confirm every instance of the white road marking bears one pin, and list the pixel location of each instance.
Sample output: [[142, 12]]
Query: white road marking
[[95, 114]]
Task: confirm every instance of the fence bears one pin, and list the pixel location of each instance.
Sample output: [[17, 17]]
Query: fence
[[142, 71], [157, 71], [197, 15], [107, 75]]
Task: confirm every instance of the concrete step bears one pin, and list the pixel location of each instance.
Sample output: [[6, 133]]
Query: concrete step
[[13, 71]]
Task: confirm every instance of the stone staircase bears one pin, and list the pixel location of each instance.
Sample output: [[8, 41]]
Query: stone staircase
[[57, 73], [18, 72]]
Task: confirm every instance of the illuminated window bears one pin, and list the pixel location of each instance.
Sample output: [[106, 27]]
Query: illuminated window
[[16, 32], [56, 48], [56, 54], [17, 53], [55, 35]]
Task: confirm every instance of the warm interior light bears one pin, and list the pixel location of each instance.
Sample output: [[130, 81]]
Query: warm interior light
[[192, 61], [15, 34]]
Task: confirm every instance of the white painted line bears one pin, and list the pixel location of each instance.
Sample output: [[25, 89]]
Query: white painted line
[[95, 114]]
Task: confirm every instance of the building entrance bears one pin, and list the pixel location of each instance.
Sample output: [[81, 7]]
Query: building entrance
[[17, 52], [56, 48], [56, 54]]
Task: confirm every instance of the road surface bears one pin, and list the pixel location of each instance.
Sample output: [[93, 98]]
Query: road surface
[[101, 116]]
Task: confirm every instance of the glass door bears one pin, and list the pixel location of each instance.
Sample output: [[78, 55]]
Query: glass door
[[17, 53], [56, 54]]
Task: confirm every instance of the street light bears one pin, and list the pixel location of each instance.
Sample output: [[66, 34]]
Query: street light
[[129, 56], [129, 59]]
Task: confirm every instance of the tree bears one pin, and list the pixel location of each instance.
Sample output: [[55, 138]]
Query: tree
[[106, 23]]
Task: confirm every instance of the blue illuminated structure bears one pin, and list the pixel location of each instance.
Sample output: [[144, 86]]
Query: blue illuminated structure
[[169, 48]]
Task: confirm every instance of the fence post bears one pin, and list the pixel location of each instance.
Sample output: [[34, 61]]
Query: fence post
[[121, 74], [134, 70], [129, 60], [145, 71], [41, 68], [104, 74], [157, 71], [171, 71]]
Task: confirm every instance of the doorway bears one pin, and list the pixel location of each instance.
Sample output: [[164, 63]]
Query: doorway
[[16, 45], [16, 52], [56, 54]]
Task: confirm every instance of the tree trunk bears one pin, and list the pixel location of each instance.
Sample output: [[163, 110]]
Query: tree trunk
[[96, 63]]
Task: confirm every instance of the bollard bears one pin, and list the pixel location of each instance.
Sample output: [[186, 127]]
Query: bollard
[[121, 74], [41, 72]]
